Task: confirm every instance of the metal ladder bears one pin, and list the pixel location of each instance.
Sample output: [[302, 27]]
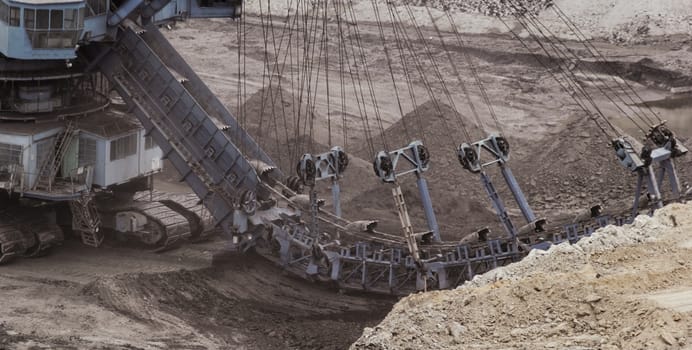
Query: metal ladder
[[409, 235], [51, 165], [86, 220]]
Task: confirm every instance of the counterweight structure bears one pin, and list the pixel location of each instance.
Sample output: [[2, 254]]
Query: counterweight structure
[[65, 140]]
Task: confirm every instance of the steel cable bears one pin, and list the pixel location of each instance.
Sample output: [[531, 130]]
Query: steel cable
[[565, 85], [474, 71], [597, 53], [368, 77], [562, 50]]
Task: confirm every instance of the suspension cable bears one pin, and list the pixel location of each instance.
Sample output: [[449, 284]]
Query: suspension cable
[[436, 69], [266, 71], [309, 39], [325, 37], [342, 82], [565, 85], [561, 48], [239, 85], [448, 54], [280, 68], [289, 28], [597, 53], [424, 79], [355, 77], [376, 10], [368, 77], [419, 66], [294, 102], [473, 69], [398, 29], [310, 106], [570, 78], [439, 77]]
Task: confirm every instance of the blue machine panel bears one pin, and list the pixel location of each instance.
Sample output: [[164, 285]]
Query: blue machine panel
[[41, 30], [52, 29]]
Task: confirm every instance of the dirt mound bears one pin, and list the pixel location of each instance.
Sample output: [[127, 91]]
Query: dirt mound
[[569, 169], [611, 291], [574, 167], [460, 202], [280, 124]]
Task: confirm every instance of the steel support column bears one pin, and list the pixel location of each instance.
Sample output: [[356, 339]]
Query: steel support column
[[518, 194], [427, 205], [498, 205], [336, 197]]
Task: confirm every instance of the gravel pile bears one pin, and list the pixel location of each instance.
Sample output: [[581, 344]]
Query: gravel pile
[[487, 7], [620, 21]]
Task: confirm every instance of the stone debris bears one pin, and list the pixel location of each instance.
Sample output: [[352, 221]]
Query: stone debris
[[487, 7]]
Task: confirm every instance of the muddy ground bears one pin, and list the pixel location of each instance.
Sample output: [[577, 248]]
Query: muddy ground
[[117, 297]]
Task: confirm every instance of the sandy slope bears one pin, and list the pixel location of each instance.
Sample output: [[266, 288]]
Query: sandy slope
[[623, 288]]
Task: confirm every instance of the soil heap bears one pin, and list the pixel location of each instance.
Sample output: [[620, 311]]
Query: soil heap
[[486, 7], [623, 288], [280, 125], [461, 205]]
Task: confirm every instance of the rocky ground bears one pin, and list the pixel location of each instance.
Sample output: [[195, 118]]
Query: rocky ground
[[623, 288], [594, 297]]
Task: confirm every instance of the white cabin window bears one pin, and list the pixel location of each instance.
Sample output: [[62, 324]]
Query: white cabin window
[[29, 18], [123, 147], [42, 19], [4, 12], [10, 154], [56, 19], [87, 152], [96, 7], [14, 16], [43, 150], [149, 143]]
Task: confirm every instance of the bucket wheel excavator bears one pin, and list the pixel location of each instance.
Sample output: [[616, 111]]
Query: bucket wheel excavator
[[236, 187]]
